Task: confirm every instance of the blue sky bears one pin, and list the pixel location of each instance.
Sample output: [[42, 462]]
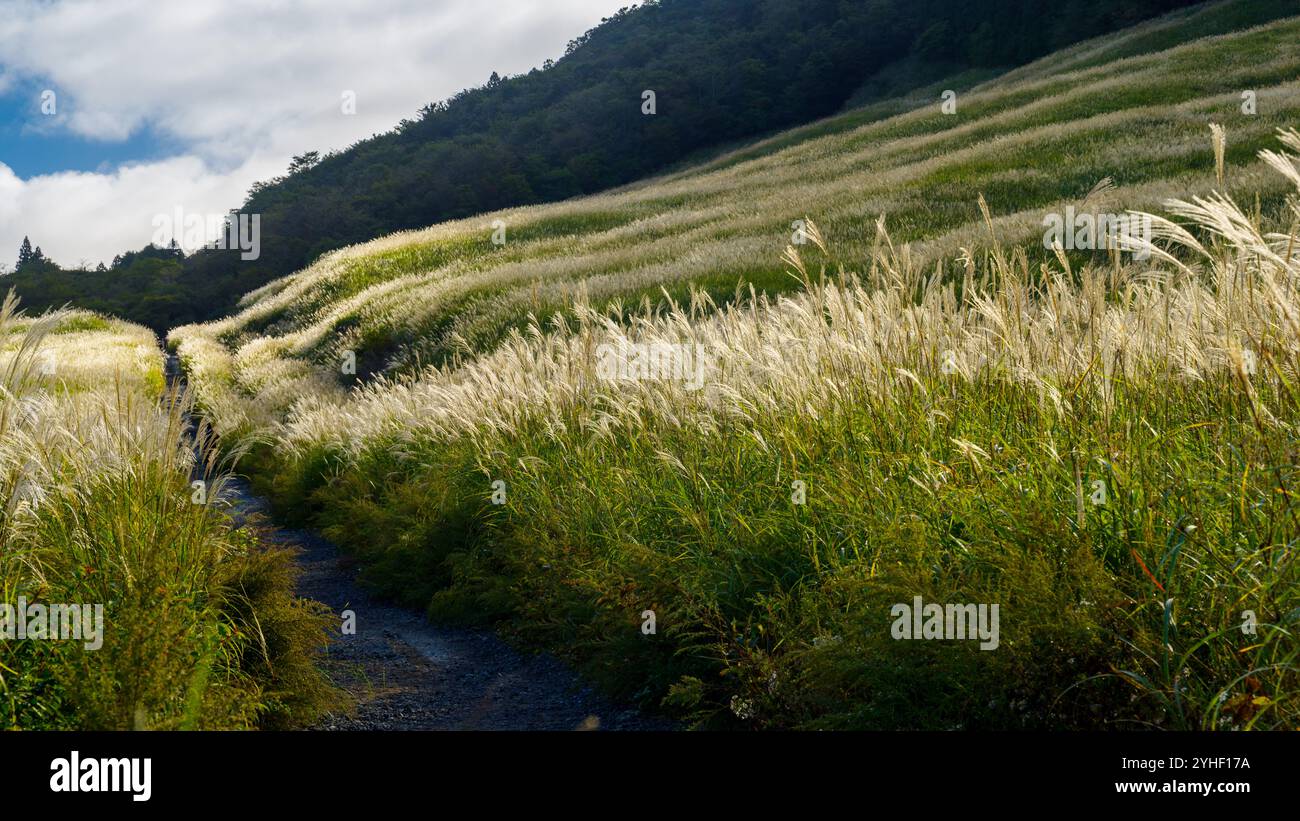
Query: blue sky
[[32, 145], [161, 105]]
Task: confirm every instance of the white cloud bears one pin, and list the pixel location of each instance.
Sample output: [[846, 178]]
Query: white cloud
[[90, 217], [244, 86]]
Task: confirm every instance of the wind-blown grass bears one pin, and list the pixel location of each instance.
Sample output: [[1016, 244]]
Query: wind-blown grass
[[200, 627], [1105, 448], [950, 434], [1030, 144]]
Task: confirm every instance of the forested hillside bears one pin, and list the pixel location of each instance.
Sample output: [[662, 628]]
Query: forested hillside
[[721, 71]]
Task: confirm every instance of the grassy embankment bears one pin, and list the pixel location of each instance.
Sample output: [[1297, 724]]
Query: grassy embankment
[[1105, 448], [199, 626]]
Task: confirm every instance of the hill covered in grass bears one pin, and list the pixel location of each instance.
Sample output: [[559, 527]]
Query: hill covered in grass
[[720, 72], [770, 399], [1030, 146]]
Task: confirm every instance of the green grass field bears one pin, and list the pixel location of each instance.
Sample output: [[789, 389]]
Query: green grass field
[[919, 400], [180, 621]]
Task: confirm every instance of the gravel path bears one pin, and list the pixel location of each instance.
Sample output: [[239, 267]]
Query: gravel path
[[407, 674]]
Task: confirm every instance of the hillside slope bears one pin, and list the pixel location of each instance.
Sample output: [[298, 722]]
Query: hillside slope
[[710, 454], [1028, 146], [722, 71]]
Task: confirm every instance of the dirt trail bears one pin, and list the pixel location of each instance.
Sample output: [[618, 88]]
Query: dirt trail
[[408, 674]]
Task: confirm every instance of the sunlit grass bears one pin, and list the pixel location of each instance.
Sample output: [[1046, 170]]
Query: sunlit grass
[[200, 627], [1104, 447]]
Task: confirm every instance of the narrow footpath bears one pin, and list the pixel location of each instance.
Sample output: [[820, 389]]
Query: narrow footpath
[[405, 673]]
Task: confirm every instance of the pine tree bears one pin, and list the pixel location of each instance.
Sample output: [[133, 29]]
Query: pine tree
[[24, 253]]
